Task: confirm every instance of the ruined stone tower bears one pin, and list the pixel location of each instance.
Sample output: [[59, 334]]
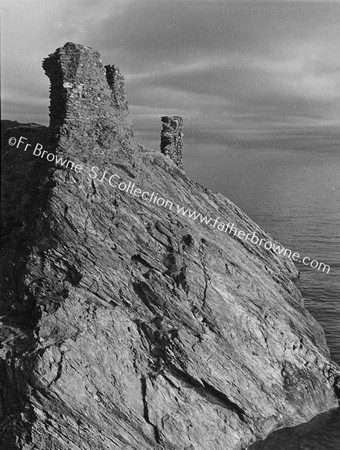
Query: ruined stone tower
[[88, 109], [172, 138]]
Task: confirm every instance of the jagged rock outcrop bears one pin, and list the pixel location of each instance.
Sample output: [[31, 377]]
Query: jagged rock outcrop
[[125, 324]]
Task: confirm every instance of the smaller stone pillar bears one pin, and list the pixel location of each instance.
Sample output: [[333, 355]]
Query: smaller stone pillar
[[172, 138]]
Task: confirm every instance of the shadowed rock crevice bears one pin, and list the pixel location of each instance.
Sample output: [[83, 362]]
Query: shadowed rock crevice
[[209, 392], [146, 411]]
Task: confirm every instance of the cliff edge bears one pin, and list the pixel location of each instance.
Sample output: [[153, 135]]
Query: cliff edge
[[128, 325]]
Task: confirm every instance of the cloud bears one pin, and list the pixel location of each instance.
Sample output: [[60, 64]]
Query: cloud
[[239, 72]]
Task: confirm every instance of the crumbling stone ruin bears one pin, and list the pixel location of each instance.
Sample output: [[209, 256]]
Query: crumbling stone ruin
[[171, 138], [116, 82], [88, 104], [89, 107]]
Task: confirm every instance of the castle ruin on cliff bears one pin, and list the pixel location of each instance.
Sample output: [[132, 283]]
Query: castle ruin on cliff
[[88, 101], [125, 326]]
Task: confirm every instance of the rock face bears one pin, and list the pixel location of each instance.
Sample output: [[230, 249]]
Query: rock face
[[171, 138], [126, 325]]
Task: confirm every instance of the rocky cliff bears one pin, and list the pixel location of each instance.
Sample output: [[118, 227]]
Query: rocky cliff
[[126, 325]]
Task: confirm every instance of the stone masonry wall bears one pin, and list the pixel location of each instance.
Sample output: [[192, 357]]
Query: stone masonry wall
[[116, 82], [88, 110], [171, 138]]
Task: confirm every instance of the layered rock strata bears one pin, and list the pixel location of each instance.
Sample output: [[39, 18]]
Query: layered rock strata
[[126, 325]]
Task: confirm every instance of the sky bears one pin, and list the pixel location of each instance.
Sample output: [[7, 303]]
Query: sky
[[242, 74]]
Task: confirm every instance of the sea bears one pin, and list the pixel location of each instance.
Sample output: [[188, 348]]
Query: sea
[[295, 196]]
